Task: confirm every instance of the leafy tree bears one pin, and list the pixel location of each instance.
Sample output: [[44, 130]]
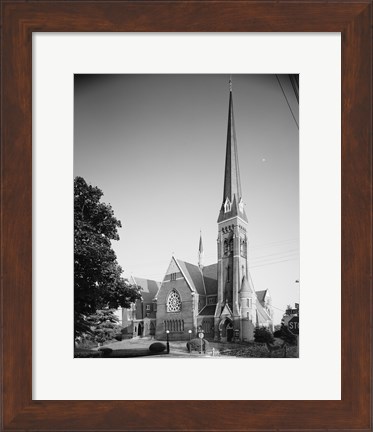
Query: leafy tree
[[262, 334], [98, 283], [103, 324]]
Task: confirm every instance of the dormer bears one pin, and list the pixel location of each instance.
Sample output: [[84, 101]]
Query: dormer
[[227, 205], [240, 205]]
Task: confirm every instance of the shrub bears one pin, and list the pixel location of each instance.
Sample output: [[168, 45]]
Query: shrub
[[85, 343], [82, 353], [157, 347], [262, 334], [118, 337], [287, 336], [195, 345], [126, 335]]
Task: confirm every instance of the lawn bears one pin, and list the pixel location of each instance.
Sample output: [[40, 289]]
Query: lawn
[[257, 350], [140, 348]]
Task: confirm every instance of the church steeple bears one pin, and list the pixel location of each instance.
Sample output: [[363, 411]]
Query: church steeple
[[232, 204], [232, 238]]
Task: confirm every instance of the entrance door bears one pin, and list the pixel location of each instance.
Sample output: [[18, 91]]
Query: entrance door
[[152, 329], [140, 329], [229, 334], [229, 330]]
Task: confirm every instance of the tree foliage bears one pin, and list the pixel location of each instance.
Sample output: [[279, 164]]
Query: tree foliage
[[98, 283], [103, 324], [196, 344]]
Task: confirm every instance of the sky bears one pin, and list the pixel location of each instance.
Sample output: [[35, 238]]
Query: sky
[[155, 145]]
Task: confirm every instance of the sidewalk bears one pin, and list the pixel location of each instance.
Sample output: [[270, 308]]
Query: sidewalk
[[139, 346]]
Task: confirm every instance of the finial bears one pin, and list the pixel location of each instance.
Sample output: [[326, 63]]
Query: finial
[[200, 242], [230, 83], [200, 251]]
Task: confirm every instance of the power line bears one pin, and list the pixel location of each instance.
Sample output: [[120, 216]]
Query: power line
[[255, 248], [274, 262], [287, 101], [281, 310], [294, 79], [263, 245], [261, 260], [292, 251]]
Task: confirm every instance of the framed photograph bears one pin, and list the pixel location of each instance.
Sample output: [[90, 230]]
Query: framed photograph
[[217, 299], [136, 98]]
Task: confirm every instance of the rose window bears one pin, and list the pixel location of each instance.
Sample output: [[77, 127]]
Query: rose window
[[173, 302]]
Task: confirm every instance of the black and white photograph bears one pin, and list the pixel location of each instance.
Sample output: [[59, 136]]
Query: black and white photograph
[[186, 216]]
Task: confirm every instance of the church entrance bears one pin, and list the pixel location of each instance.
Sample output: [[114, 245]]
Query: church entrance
[[152, 329], [226, 330], [229, 330]]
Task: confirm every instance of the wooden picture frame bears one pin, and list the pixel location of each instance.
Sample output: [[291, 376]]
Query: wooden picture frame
[[19, 20]]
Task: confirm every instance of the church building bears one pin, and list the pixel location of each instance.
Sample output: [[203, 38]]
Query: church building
[[219, 298]]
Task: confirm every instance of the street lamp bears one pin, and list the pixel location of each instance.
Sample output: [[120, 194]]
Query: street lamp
[[168, 343], [190, 343]]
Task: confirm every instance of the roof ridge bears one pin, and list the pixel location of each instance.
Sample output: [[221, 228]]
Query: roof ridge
[[138, 277], [190, 283], [187, 262], [208, 306]]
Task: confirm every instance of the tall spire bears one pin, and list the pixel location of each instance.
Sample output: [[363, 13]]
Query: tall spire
[[232, 195], [200, 252]]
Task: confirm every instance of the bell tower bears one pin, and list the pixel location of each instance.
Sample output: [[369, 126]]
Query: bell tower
[[232, 239]]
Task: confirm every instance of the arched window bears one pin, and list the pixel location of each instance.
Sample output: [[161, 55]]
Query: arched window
[[173, 302], [243, 247], [231, 245], [225, 247]]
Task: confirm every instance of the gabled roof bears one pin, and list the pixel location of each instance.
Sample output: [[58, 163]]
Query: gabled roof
[[263, 315], [208, 310], [226, 310], [193, 275], [149, 288], [210, 276], [205, 283], [261, 295]]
